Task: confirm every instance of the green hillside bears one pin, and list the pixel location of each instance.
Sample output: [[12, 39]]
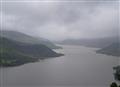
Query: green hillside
[[113, 49], [14, 53], [21, 37]]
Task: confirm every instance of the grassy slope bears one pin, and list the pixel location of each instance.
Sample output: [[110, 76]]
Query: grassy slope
[[21, 37], [16, 53], [113, 49]]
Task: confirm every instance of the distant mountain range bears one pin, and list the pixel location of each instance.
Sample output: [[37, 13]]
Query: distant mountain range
[[113, 49], [15, 53], [97, 43], [108, 45], [21, 37]]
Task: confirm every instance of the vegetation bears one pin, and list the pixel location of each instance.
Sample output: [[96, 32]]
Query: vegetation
[[117, 76], [117, 73], [113, 49], [14, 53], [114, 85], [21, 37]]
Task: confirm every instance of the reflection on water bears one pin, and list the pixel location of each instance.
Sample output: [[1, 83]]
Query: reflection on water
[[80, 67]]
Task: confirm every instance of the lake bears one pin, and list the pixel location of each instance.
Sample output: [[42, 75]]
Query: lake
[[79, 67]]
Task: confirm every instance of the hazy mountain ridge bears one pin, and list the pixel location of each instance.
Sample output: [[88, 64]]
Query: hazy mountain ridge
[[108, 45], [15, 53], [21, 37], [97, 43], [113, 49]]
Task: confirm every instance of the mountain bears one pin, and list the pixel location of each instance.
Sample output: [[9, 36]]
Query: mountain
[[113, 49], [97, 43], [21, 37], [17, 53]]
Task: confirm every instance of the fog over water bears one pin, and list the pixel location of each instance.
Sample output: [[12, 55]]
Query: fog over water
[[62, 19]]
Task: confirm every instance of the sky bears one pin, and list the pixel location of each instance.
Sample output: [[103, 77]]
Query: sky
[[58, 20]]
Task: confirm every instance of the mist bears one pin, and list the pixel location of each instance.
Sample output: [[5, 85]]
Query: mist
[[59, 20]]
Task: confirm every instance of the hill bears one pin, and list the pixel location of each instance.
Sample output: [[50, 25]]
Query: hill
[[97, 43], [15, 53], [113, 49], [21, 37]]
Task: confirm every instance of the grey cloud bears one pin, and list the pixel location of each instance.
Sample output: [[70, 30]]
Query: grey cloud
[[62, 20]]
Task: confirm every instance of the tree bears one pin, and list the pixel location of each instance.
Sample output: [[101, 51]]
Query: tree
[[117, 73], [113, 85]]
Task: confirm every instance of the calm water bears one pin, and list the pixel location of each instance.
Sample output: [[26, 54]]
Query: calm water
[[80, 67]]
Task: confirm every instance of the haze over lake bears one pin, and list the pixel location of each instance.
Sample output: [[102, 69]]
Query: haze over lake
[[80, 67]]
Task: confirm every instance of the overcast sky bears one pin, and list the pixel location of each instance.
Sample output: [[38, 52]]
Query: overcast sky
[[62, 19]]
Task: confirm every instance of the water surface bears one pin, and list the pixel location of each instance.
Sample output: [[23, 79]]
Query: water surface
[[80, 67]]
